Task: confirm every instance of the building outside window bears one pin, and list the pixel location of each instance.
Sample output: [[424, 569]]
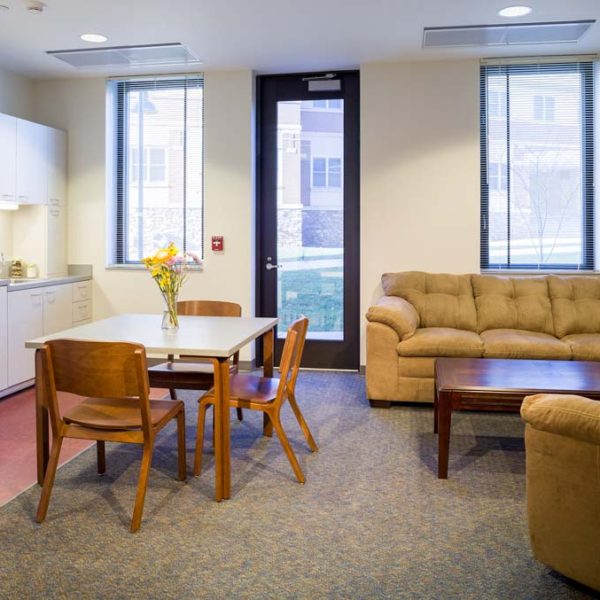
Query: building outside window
[[327, 172], [156, 127], [537, 174]]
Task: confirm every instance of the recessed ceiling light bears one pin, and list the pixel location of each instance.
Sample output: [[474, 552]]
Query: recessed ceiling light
[[515, 11], [96, 38]]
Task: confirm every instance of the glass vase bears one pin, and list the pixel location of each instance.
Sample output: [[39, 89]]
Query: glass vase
[[170, 321]]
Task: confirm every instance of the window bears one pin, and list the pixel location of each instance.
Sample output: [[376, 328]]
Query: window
[[156, 128], [326, 172], [543, 108], [537, 175], [328, 104]]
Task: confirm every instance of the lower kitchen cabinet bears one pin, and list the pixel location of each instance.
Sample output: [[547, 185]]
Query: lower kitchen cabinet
[[25, 321], [3, 338], [32, 313]]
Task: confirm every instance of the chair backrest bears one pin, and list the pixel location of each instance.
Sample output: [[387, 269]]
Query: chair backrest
[[291, 356], [96, 369], [208, 308]]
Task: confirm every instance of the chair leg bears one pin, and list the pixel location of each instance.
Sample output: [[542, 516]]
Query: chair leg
[[49, 479], [267, 426], [240, 414], [303, 425], [140, 496], [288, 449], [101, 454], [182, 468], [173, 393], [202, 408]]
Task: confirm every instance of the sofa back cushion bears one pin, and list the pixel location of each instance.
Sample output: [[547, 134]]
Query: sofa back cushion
[[442, 300], [512, 303], [575, 304]]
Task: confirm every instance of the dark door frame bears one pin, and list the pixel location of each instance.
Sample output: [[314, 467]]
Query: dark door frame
[[269, 90]]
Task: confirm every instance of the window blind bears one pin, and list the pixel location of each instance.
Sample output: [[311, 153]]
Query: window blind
[[157, 126], [537, 202]]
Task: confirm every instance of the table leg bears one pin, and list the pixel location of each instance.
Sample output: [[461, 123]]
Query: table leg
[[218, 428], [444, 422], [268, 361], [435, 410], [225, 431], [41, 420]]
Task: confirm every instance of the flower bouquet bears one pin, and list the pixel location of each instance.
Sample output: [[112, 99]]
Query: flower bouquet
[[169, 268]]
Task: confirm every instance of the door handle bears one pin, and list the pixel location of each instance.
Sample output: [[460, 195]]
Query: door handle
[[270, 266]]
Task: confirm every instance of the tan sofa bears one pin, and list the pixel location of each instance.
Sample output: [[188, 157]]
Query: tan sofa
[[562, 442], [423, 316]]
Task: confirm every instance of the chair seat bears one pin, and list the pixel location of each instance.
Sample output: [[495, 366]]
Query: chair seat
[[118, 413], [250, 388]]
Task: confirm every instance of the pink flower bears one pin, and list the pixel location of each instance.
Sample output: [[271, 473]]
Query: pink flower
[[194, 256]]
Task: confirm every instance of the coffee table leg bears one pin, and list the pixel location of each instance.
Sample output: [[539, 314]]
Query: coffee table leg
[[444, 419], [435, 410]]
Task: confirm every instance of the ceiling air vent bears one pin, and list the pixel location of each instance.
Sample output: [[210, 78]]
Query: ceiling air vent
[[127, 56], [505, 35]]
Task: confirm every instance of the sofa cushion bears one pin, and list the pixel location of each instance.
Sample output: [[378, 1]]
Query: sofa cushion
[[442, 300], [575, 304], [584, 346], [514, 343], [442, 341], [512, 303]]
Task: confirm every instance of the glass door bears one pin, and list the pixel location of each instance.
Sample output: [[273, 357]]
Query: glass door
[[308, 232]]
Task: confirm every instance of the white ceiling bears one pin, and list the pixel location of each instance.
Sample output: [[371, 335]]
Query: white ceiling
[[269, 35]]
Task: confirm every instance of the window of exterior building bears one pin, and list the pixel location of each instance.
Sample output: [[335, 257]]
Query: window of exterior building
[[537, 174], [156, 132], [326, 172], [543, 108]]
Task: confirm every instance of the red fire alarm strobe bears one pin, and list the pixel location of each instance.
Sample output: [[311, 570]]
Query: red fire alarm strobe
[[217, 243]]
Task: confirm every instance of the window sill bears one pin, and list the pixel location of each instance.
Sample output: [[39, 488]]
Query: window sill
[[141, 267], [538, 272]]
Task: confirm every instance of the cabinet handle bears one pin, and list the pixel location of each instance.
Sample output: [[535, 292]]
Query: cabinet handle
[[54, 212], [36, 299], [23, 196], [54, 201], [8, 195], [51, 297]]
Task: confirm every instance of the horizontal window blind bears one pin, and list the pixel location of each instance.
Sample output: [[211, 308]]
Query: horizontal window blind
[[157, 125], [537, 204]]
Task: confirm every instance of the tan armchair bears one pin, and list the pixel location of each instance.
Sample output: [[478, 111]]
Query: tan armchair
[[562, 440]]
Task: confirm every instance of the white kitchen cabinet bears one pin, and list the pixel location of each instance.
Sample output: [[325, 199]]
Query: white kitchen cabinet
[[3, 338], [25, 321], [56, 212], [58, 305], [8, 160], [32, 163]]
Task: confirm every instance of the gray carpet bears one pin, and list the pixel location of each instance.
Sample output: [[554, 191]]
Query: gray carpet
[[372, 521]]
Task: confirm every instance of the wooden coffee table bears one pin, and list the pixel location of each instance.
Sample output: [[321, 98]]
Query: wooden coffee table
[[501, 385]]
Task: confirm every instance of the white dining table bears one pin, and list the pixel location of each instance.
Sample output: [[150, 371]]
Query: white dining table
[[212, 338]]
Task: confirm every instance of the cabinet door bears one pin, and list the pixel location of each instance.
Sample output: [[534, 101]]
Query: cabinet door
[[25, 321], [3, 339], [56, 246], [8, 161], [32, 152], [58, 308]]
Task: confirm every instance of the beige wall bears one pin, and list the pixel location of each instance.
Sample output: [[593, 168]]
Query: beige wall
[[79, 107], [16, 98], [419, 170], [419, 180]]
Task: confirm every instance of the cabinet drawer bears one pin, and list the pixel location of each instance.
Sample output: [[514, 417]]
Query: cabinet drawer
[[82, 291], [82, 311]]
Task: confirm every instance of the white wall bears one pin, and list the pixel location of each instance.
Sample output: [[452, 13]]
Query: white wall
[[419, 171], [16, 98], [79, 107]]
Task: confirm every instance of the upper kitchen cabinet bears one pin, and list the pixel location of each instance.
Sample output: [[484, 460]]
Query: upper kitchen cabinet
[[8, 160], [32, 163]]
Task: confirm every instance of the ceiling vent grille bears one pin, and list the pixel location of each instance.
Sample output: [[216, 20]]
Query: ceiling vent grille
[[127, 56], [505, 35]]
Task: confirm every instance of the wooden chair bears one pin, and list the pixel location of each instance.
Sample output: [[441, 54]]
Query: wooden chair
[[267, 394], [190, 373], [113, 378]]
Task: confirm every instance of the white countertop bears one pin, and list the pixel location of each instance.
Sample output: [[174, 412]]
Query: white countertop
[[197, 336], [25, 284]]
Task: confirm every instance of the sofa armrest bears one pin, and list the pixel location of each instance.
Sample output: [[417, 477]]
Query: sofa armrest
[[396, 313], [572, 416]]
